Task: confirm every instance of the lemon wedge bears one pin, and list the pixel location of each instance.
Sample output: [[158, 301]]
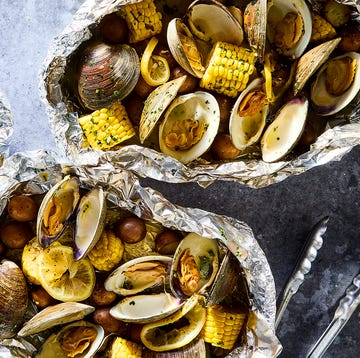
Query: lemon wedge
[[64, 278], [154, 69]]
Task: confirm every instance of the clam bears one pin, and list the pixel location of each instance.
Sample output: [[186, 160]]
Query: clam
[[138, 275], [13, 298], [289, 27], [248, 117], [107, 73], [89, 221], [55, 315], [146, 308], [195, 265], [78, 339], [337, 83], [55, 210], [284, 132], [190, 125], [211, 21]]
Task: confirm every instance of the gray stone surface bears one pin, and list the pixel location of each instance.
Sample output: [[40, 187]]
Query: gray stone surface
[[281, 216]]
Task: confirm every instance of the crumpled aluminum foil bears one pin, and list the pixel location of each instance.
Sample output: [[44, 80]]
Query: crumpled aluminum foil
[[340, 137], [6, 126], [36, 172]]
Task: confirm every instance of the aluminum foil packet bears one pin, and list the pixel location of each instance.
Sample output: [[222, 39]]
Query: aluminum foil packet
[[36, 172], [6, 126], [339, 135]]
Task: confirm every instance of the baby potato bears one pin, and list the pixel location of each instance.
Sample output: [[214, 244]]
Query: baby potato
[[16, 234], [100, 296], [22, 208], [190, 82], [41, 298], [350, 39], [337, 14], [223, 148], [114, 29], [110, 324], [131, 230]]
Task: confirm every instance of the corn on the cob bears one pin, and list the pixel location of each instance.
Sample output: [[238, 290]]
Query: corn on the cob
[[142, 19], [321, 29], [229, 69], [107, 127], [222, 326], [122, 348], [107, 252]]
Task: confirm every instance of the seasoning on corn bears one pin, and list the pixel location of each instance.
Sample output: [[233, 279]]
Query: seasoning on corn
[[122, 348], [229, 69], [142, 19], [107, 127], [222, 326], [108, 251], [321, 29]]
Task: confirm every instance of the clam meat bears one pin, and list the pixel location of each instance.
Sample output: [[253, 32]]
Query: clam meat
[[189, 126], [56, 209]]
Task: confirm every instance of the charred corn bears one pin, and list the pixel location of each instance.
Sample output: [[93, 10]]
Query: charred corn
[[229, 69], [143, 20], [122, 348], [321, 29], [222, 326], [107, 127], [107, 252]]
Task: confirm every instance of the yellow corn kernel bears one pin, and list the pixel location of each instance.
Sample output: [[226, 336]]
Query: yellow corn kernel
[[108, 251], [107, 127], [222, 326], [229, 69], [122, 348], [322, 30], [143, 20]]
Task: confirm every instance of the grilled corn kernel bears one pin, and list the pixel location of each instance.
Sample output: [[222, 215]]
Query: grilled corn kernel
[[107, 252], [142, 20], [322, 30], [222, 326], [122, 348], [107, 127], [229, 69]]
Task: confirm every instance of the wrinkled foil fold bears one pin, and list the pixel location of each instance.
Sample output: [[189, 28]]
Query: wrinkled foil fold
[[36, 172], [6, 126], [340, 137]]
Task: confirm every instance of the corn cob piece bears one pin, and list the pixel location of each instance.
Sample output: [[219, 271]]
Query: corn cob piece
[[143, 20], [229, 69], [322, 30], [222, 326], [107, 252], [107, 127], [122, 348]]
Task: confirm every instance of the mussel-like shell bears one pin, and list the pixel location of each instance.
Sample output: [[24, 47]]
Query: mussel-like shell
[[189, 127], [285, 131], [82, 336], [211, 21], [146, 308], [13, 298], [157, 336], [107, 73], [89, 221], [195, 265], [248, 117], [138, 275], [288, 34], [326, 103], [55, 210], [51, 316], [184, 49]]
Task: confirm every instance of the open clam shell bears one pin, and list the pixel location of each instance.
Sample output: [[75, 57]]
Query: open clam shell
[[190, 125], [138, 275], [89, 221], [146, 308], [324, 102], [195, 265], [56, 209], [78, 339], [248, 117], [284, 132]]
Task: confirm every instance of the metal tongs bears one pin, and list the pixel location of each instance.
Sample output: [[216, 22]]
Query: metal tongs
[[345, 309], [303, 266]]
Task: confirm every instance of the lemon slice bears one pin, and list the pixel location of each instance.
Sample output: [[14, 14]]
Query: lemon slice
[[64, 278], [154, 69]]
